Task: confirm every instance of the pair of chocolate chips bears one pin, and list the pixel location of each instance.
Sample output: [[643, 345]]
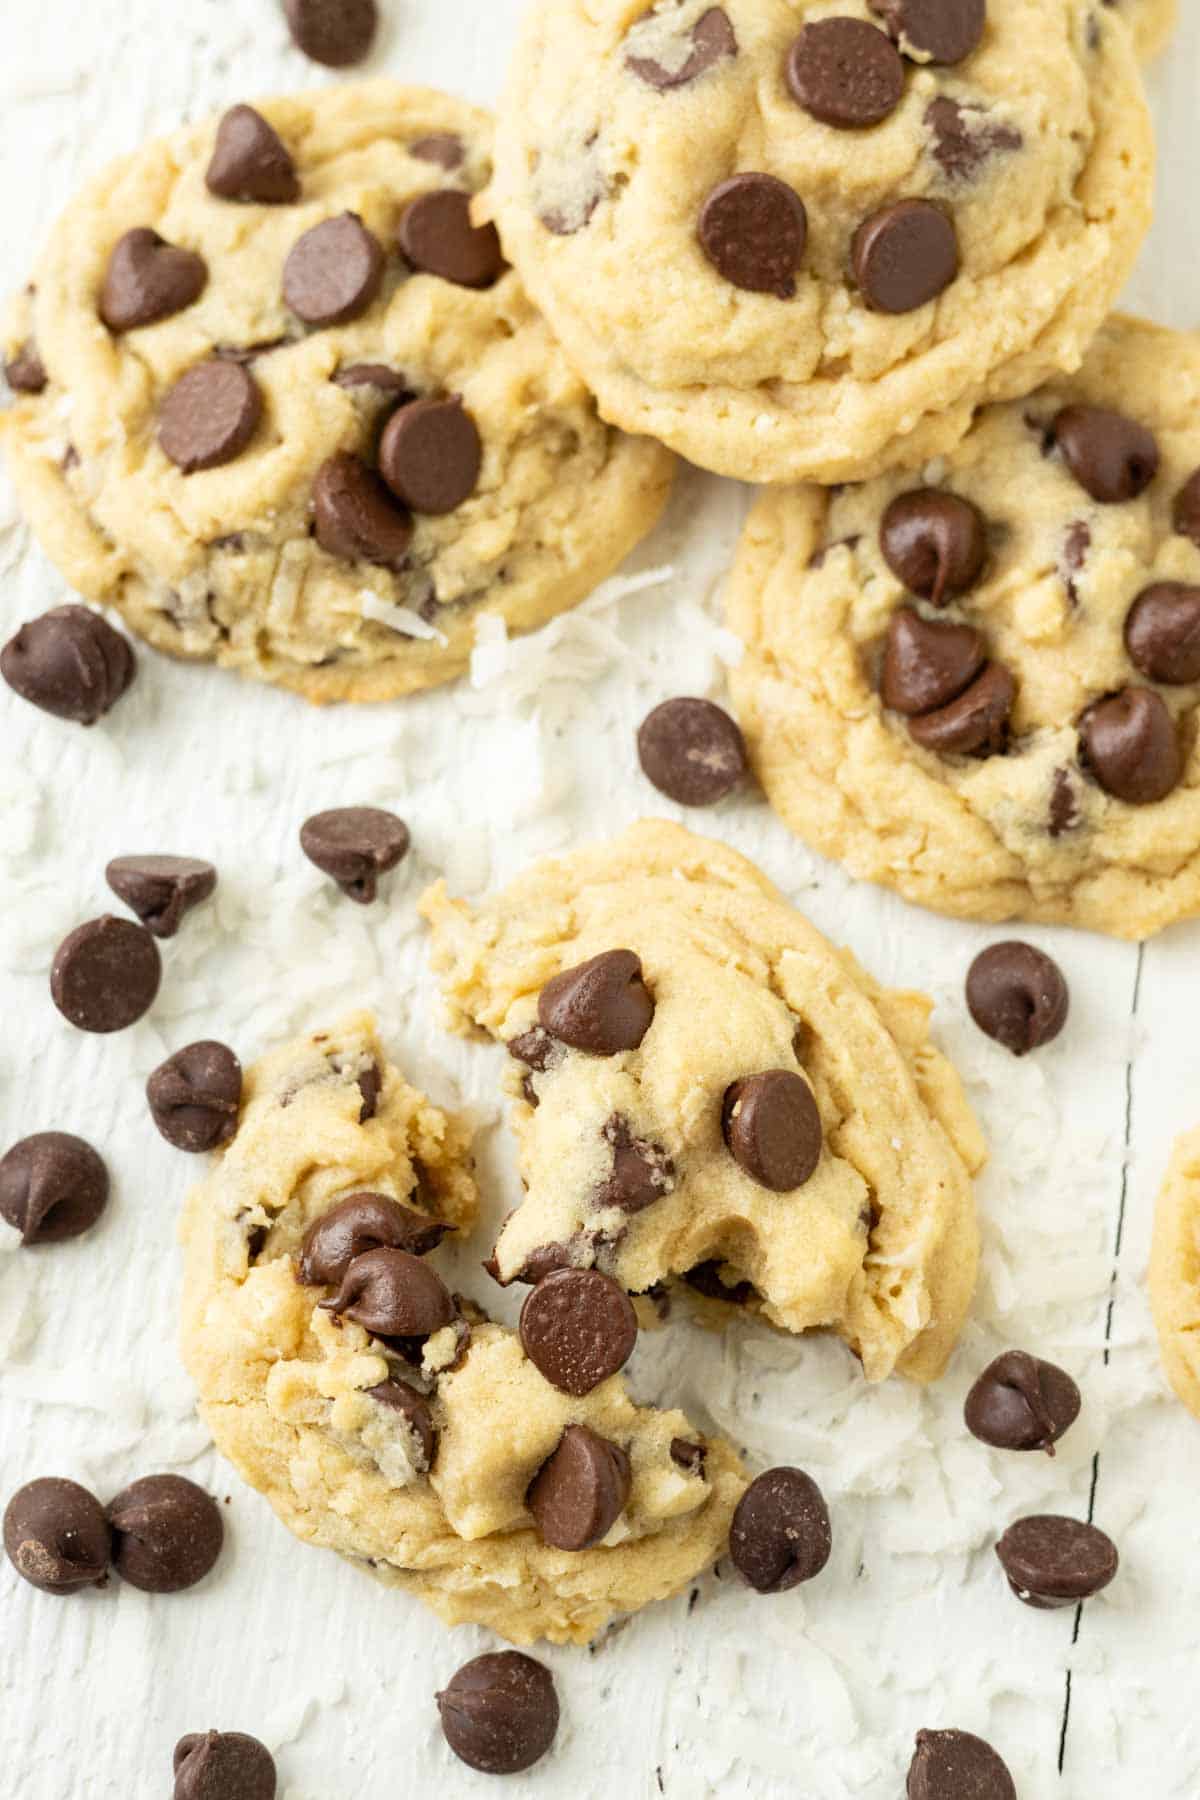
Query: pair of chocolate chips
[[161, 1534], [355, 845], [848, 73]]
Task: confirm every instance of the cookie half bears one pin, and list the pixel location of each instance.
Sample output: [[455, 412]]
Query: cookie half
[[1175, 1270]]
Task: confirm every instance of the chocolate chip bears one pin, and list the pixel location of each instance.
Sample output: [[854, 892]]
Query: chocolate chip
[[536, 1048], [1021, 1403], [70, 662], [934, 542], [370, 1086], [333, 273], [578, 1328], [1128, 742], [1076, 544], [500, 1712], [1162, 632], [359, 1223], [250, 161], [927, 664], [780, 1535], [161, 889], [195, 1095], [167, 1533], [689, 1457], [753, 229], [706, 1279], [355, 845], [711, 38], [692, 751], [602, 1005], [445, 148], [642, 1172], [1017, 995], [580, 1491], [56, 1536], [105, 974], [939, 31], [356, 517], [963, 141], [438, 238], [1064, 804], [392, 1293], [148, 279], [1185, 515], [772, 1128], [904, 255], [374, 375], [954, 1765], [976, 724], [1053, 1561], [845, 72], [334, 32], [223, 1765], [53, 1186], [25, 372], [1111, 457], [209, 416], [402, 1398], [430, 454], [541, 1262]]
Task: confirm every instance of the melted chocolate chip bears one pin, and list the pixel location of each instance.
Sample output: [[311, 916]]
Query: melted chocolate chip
[[56, 1536], [780, 1535], [976, 724], [445, 148], [955, 1765], [1021, 1403], [934, 542], [1017, 995], [336, 33], [1064, 813], [53, 1186], [167, 1534], [845, 72], [706, 1279], [642, 1171], [1185, 514], [404, 1399], [499, 1713], [431, 454], [927, 664], [692, 751], [1076, 544], [1162, 633], [195, 1095], [105, 974], [148, 279], [355, 845], [69, 662], [392, 1294], [711, 41], [536, 1048], [689, 1457], [1111, 457], [578, 1328], [356, 517], [359, 1223], [904, 255], [773, 1129], [334, 272], [580, 1491], [1129, 743], [161, 889], [753, 229], [438, 238], [938, 31], [223, 1765], [210, 415], [602, 1006], [250, 161], [373, 375], [964, 140], [25, 372], [1053, 1561]]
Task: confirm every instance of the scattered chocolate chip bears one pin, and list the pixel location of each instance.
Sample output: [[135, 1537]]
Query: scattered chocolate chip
[[1185, 514], [753, 229], [711, 38], [536, 1048], [355, 845], [445, 148], [210, 415], [392, 1293], [334, 32], [927, 664], [438, 238], [939, 31], [580, 1491], [250, 161], [602, 1005], [964, 140], [642, 1171], [359, 1223], [904, 255], [1021, 1403], [356, 517], [373, 375], [105, 974], [161, 889], [1053, 1561], [692, 751], [1111, 457], [578, 1328], [195, 1095], [976, 724], [167, 1533], [1128, 742], [25, 372], [500, 1712], [1064, 812], [689, 1457], [954, 1765], [333, 273], [223, 1765], [1162, 633], [148, 279], [934, 542], [430, 454], [706, 1279], [772, 1128], [56, 1536], [405, 1400], [53, 1186], [70, 662], [845, 72], [1017, 995], [780, 1535]]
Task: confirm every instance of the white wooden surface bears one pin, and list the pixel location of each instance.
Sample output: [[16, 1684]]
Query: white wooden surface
[[816, 1695]]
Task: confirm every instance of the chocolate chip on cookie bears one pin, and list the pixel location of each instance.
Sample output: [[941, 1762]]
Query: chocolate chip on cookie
[[578, 1328], [250, 161], [1021, 1403], [1063, 813], [904, 255], [706, 1279], [360, 1223], [1113, 458], [195, 1095], [780, 1535], [334, 272], [69, 662], [437, 238], [25, 372], [373, 375], [926, 664], [336, 33], [356, 518], [443, 148], [1129, 743], [976, 724], [430, 454], [965, 138], [392, 1293], [105, 974], [53, 1186], [1017, 995], [845, 72], [167, 1533], [934, 542], [580, 1491], [148, 279], [355, 845], [937, 31], [1162, 633], [535, 1048], [223, 1765], [753, 229], [1185, 514], [602, 1005], [404, 1399], [692, 751], [499, 1712], [161, 889], [689, 1457], [642, 1171], [955, 1765], [772, 1128], [210, 415], [710, 41], [56, 1536], [1053, 1561]]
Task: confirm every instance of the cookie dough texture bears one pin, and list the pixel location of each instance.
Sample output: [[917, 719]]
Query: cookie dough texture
[[220, 565], [1175, 1270], [283, 1387], [816, 386], [1151, 22], [879, 1245], [980, 838]]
